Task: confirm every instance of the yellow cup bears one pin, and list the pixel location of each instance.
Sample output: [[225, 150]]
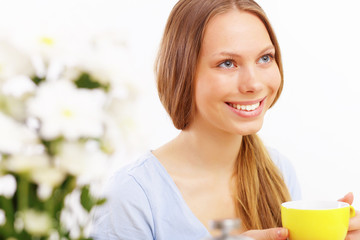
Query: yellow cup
[[316, 220]]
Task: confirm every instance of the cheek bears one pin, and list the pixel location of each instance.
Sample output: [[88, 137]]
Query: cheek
[[274, 83], [274, 80], [202, 93], [206, 86]]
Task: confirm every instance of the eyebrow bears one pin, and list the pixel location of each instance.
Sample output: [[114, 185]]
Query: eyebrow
[[235, 55]]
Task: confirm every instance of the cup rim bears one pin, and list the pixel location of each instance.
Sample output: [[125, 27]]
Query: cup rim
[[300, 204]]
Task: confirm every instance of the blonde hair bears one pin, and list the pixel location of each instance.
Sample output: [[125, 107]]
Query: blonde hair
[[260, 189]]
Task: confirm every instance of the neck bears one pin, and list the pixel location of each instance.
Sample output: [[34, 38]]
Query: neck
[[209, 151]]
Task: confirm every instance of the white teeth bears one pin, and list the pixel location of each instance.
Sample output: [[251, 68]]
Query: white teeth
[[245, 107]]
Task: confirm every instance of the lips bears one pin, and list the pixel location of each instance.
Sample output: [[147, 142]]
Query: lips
[[247, 108], [251, 107]]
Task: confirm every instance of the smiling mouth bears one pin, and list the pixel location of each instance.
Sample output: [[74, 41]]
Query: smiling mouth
[[248, 108]]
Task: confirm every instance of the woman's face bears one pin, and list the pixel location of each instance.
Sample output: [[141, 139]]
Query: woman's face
[[237, 77]]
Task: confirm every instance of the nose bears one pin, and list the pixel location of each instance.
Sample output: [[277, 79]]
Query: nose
[[248, 80]]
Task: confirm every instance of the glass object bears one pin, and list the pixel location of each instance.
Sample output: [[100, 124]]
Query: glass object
[[225, 226]]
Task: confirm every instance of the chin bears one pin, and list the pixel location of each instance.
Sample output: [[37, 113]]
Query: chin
[[249, 132], [249, 129]]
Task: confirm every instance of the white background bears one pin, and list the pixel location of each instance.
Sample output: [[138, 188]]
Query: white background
[[316, 121]]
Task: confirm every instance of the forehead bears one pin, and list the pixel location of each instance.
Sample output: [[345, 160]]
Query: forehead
[[237, 31]]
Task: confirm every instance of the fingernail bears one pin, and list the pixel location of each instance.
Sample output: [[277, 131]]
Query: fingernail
[[282, 233]]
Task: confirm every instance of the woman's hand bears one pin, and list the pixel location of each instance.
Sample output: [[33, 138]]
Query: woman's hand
[[268, 234], [282, 233], [354, 225]]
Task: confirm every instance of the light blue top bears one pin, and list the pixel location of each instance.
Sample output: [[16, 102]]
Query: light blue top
[[145, 204]]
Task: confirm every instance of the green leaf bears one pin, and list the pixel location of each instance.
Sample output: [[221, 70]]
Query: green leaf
[[86, 199], [34, 201], [86, 81], [8, 228], [60, 193], [52, 146], [37, 80], [22, 192], [101, 201]]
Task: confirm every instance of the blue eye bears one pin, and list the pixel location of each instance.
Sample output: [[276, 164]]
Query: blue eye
[[266, 58], [227, 64]]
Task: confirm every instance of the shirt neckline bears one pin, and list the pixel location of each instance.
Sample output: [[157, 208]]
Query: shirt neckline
[[178, 193]]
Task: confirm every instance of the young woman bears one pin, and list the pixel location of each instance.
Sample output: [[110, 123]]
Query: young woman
[[218, 72]]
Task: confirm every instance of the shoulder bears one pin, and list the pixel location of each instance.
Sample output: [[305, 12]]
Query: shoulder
[[136, 183], [288, 171], [144, 203], [124, 183], [127, 201], [133, 173]]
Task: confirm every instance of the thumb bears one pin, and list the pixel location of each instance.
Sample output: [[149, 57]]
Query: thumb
[[348, 198], [268, 234]]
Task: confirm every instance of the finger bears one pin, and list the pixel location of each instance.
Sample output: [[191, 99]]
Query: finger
[[353, 235], [354, 223], [268, 234], [348, 198]]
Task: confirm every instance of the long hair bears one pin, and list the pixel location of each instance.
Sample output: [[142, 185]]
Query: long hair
[[260, 188]]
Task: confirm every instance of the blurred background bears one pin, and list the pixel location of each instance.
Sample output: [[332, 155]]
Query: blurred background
[[315, 123]]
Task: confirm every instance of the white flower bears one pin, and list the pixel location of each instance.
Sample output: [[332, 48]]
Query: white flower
[[15, 137], [13, 107], [13, 62], [108, 58], [54, 235], [37, 223], [24, 163], [48, 177], [121, 130], [65, 110], [18, 86], [7, 186], [74, 215], [44, 191], [48, 45], [86, 161], [39, 43]]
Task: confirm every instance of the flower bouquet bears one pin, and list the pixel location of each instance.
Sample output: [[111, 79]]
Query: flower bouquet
[[59, 128]]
